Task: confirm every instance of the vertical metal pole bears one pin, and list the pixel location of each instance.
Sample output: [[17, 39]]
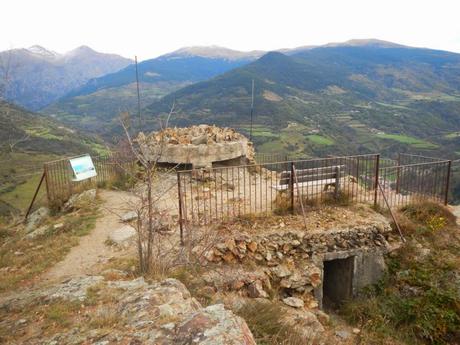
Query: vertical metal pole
[[376, 182], [398, 173], [138, 95], [252, 109], [181, 226], [337, 183], [35, 196], [291, 186], [446, 195], [48, 195]]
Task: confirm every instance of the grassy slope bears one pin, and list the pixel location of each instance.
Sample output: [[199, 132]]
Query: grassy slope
[[99, 111], [418, 301], [21, 259], [99, 102], [46, 140], [348, 95]]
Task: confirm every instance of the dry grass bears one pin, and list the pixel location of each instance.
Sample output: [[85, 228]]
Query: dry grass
[[417, 302], [190, 276], [105, 317], [22, 259], [265, 320], [97, 311]]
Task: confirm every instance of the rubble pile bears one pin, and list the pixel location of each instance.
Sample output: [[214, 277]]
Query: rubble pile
[[194, 135], [273, 248], [197, 145]]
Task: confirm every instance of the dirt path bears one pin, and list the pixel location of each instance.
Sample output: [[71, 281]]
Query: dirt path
[[85, 258], [456, 212]]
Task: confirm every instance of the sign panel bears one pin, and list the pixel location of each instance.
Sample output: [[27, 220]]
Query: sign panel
[[83, 168]]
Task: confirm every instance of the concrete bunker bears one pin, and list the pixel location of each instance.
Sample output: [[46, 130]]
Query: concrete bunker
[[346, 273], [337, 282], [200, 146], [321, 265]]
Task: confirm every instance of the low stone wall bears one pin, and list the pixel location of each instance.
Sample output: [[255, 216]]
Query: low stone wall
[[293, 259]]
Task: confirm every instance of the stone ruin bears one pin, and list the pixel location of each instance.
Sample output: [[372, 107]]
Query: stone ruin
[[200, 146], [312, 268]]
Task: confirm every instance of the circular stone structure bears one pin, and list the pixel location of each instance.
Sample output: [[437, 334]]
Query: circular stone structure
[[201, 146]]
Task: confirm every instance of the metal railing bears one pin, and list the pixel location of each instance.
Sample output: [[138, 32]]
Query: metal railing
[[59, 182], [219, 194], [404, 184]]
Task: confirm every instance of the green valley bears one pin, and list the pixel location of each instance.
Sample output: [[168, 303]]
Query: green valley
[[28, 140]]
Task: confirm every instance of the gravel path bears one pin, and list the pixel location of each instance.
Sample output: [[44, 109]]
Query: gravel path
[[92, 250]]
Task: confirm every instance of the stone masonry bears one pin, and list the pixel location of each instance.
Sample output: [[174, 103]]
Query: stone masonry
[[293, 259], [200, 146]]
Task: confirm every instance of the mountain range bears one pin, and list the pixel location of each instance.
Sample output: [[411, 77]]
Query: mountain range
[[334, 99], [101, 99], [35, 77], [355, 96]]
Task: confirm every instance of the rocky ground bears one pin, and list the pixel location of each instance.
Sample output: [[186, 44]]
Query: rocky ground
[[95, 296], [98, 311]]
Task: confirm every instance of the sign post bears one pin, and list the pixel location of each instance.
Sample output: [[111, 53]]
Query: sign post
[[83, 168]]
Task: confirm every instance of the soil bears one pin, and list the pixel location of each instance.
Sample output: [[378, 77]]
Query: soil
[[92, 251]]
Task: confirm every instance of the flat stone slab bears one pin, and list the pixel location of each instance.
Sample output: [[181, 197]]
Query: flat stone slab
[[128, 216], [293, 302], [122, 235]]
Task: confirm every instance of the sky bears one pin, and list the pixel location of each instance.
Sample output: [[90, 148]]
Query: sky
[[148, 28]]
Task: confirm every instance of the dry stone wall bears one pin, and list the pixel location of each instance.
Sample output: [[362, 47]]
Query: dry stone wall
[[292, 260]]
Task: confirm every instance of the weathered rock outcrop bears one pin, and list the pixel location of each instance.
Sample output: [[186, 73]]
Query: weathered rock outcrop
[[78, 200], [145, 313]]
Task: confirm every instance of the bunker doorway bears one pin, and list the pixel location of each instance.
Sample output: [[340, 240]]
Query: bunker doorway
[[337, 282]]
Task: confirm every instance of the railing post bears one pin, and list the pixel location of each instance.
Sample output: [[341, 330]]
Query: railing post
[[337, 183], [376, 182], [398, 173], [446, 195], [48, 193], [181, 224], [291, 186], [35, 196]]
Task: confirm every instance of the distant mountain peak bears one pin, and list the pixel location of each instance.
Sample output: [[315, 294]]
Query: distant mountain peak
[[43, 52], [369, 42], [213, 52], [81, 50]]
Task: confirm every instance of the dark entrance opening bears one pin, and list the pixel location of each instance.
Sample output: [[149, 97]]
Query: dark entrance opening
[[337, 282]]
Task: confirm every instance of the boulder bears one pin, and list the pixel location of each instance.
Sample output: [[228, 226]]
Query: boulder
[[293, 302], [73, 290], [214, 325], [77, 201], [149, 313], [122, 236], [129, 216], [256, 290], [36, 218], [38, 232]]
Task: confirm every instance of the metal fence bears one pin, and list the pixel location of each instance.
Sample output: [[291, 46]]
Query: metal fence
[[218, 194], [404, 184], [59, 182]]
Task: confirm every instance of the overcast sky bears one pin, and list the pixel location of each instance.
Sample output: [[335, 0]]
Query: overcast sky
[[153, 27]]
